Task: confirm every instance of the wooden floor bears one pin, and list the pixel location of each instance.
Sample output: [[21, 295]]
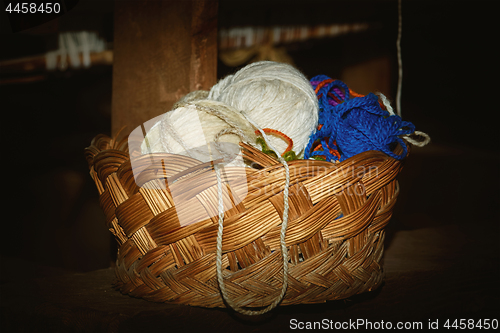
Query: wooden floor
[[441, 262]]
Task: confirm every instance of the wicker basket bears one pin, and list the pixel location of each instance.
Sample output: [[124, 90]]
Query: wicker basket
[[335, 234]]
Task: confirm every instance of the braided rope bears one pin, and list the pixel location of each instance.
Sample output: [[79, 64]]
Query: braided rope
[[284, 252]]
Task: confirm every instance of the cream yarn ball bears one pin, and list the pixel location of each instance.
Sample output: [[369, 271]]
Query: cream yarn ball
[[202, 129], [273, 95]]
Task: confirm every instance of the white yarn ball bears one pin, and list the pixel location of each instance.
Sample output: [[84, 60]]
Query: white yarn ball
[[193, 128], [273, 95]]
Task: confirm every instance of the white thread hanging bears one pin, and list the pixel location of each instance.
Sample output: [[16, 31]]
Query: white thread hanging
[[284, 250], [412, 137], [400, 60]]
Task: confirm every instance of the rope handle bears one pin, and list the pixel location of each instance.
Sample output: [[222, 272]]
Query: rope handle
[[284, 251]]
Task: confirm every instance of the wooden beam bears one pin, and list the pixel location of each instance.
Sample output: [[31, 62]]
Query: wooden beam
[[162, 51]]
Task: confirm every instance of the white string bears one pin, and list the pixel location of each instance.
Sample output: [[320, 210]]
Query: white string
[[386, 103], [412, 137], [284, 251], [419, 143], [400, 60]]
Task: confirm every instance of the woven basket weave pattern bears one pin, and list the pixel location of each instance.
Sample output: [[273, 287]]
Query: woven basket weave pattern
[[335, 234]]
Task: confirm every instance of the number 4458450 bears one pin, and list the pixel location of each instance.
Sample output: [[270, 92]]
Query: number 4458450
[[31, 7], [471, 324]]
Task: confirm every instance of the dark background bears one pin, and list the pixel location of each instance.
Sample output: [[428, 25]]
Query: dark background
[[51, 217]]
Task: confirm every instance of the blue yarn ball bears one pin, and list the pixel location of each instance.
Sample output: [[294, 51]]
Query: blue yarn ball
[[369, 127], [357, 125]]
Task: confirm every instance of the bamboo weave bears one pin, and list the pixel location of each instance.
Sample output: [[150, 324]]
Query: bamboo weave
[[335, 234]]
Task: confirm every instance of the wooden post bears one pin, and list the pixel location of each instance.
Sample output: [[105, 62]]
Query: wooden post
[[162, 51], [370, 75]]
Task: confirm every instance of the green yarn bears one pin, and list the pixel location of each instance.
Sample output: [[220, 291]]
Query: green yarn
[[288, 156]]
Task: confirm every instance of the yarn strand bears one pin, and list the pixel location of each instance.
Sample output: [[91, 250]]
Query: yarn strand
[[411, 137], [284, 224], [400, 60]]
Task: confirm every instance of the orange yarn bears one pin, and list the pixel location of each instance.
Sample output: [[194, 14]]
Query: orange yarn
[[322, 84], [332, 151], [355, 94], [281, 135]]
